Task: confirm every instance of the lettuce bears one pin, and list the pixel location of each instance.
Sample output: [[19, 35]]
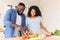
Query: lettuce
[[57, 32]]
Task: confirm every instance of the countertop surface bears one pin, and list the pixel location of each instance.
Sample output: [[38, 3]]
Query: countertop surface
[[47, 38]]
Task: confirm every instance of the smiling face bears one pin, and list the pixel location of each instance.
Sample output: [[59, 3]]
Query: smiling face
[[20, 9], [33, 13]]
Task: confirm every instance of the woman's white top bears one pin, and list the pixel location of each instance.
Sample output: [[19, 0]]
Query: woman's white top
[[34, 24]]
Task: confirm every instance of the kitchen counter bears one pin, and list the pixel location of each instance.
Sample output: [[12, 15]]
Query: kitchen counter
[[52, 38], [47, 38], [18, 38]]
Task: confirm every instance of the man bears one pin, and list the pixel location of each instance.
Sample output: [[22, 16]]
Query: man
[[11, 18]]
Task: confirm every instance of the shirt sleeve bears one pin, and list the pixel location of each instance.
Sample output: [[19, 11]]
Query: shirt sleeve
[[7, 18], [40, 19]]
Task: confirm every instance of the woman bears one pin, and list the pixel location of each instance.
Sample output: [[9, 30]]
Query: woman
[[34, 21]]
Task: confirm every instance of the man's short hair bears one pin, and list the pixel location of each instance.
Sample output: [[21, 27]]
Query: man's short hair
[[22, 4]]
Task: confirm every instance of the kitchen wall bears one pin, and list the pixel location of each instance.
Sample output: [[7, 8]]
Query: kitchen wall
[[51, 14], [50, 11]]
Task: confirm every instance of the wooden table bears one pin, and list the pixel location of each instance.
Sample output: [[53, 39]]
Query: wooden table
[[20, 38]]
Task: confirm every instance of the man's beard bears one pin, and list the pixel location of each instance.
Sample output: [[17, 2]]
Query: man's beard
[[19, 13]]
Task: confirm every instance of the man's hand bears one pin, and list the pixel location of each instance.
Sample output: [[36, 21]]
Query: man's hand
[[19, 28]]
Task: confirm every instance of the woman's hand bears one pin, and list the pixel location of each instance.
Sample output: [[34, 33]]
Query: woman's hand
[[30, 32], [48, 34]]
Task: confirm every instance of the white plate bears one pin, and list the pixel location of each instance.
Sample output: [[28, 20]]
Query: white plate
[[41, 36]]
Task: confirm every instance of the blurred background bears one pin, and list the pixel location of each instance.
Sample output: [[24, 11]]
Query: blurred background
[[50, 10]]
